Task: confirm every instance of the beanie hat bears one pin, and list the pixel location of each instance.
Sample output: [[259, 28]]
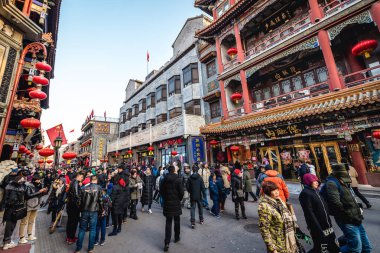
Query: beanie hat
[[309, 178], [268, 167], [237, 171]]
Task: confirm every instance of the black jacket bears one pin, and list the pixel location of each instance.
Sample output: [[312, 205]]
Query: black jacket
[[147, 191], [171, 189], [343, 206], [236, 184], [73, 196], [91, 198], [195, 186], [102, 180], [120, 198], [316, 212]]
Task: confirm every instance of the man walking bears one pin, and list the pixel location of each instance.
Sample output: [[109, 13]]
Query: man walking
[[205, 174], [171, 190], [195, 186], [73, 208], [91, 205], [346, 211]]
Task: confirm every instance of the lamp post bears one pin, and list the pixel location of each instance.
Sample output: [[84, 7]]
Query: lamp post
[[57, 145]]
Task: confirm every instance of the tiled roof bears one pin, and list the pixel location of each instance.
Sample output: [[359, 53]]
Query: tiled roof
[[346, 98]]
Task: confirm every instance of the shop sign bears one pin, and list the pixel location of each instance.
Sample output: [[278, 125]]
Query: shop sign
[[277, 20], [198, 149], [102, 128], [290, 130]]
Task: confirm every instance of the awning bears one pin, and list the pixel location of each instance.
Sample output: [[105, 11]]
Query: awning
[[346, 98]]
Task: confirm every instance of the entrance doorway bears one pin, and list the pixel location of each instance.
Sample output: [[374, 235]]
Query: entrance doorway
[[320, 154]]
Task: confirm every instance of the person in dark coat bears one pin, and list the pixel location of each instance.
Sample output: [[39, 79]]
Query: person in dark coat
[[238, 193], [120, 201], [195, 186], [171, 190], [73, 208], [147, 190], [216, 189], [317, 219]]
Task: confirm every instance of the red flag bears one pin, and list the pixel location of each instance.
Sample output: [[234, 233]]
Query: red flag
[[105, 115], [56, 131], [92, 113], [147, 56], [72, 131]]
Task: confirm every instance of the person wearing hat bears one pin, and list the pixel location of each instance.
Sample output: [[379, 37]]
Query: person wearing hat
[[275, 177], [346, 211], [238, 193], [316, 211]]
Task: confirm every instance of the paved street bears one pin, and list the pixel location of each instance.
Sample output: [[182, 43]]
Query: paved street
[[216, 235]]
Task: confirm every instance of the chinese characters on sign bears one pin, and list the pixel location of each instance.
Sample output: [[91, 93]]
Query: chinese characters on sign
[[102, 128], [290, 130], [276, 21], [198, 149], [293, 70], [101, 148]]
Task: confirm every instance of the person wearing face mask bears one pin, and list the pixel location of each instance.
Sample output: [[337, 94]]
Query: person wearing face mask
[[15, 198], [32, 206]]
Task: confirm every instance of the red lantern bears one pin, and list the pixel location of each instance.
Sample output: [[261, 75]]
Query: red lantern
[[49, 161], [38, 94], [174, 153], [31, 155], [130, 152], [30, 124], [28, 152], [101, 160], [22, 149], [31, 89], [376, 134], [234, 149], [46, 152], [214, 143], [117, 154], [43, 66], [151, 148], [40, 80], [40, 161], [232, 52], [364, 47], [236, 97], [39, 147], [69, 155]]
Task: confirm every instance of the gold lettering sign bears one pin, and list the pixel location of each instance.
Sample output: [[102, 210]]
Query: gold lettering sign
[[277, 20], [102, 128], [293, 70], [290, 130]]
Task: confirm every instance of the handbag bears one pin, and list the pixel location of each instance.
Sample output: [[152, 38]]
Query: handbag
[[19, 213], [240, 193]]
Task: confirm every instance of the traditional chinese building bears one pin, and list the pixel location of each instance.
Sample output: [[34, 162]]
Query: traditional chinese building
[[161, 116], [23, 24], [297, 80], [97, 132]]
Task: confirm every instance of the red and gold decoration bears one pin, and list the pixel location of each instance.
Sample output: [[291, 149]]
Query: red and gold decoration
[[214, 143], [46, 152], [364, 47], [37, 94], [236, 97], [40, 161], [69, 155], [39, 147], [174, 153], [49, 161], [22, 149], [232, 52], [376, 134], [43, 66], [30, 124], [130, 153], [234, 149], [151, 150]]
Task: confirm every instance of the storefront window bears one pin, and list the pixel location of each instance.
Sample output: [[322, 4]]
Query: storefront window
[[167, 158]]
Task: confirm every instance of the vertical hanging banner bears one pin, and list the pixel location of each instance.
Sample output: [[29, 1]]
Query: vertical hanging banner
[[197, 147]]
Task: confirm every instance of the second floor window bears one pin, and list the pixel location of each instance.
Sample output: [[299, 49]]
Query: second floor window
[[135, 109], [162, 118], [193, 107], [124, 117], [161, 94], [215, 109], [142, 105], [150, 100], [190, 74], [175, 112], [152, 122], [211, 68], [174, 85], [129, 114]]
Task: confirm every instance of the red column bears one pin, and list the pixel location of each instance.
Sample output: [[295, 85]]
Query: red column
[[315, 11], [221, 83], [27, 7], [335, 81], [244, 84], [229, 156], [214, 15], [232, 2], [358, 162], [375, 13]]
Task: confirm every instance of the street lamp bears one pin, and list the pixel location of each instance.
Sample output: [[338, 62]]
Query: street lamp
[[57, 145]]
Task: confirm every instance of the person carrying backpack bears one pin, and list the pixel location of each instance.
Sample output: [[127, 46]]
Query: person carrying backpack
[[275, 177], [346, 211]]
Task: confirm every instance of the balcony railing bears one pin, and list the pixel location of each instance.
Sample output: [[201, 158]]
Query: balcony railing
[[336, 6], [279, 35], [350, 80]]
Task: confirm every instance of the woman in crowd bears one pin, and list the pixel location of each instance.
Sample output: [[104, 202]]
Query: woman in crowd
[[316, 215], [135, 184], [147, 191], [56, 199], [276, 223], [102, 219], [120, 200], [216, 188], [238, 193], [226, 177]]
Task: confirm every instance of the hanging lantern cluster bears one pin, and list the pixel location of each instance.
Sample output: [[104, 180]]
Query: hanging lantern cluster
[[46, 152], [151, 150], [30, 124], [376, 134], [214, 143], [232, 52], [40, 80], [234, 149], [364, 47], [236, 97]]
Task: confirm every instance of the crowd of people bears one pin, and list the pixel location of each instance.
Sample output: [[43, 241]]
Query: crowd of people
[[95, 198]]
